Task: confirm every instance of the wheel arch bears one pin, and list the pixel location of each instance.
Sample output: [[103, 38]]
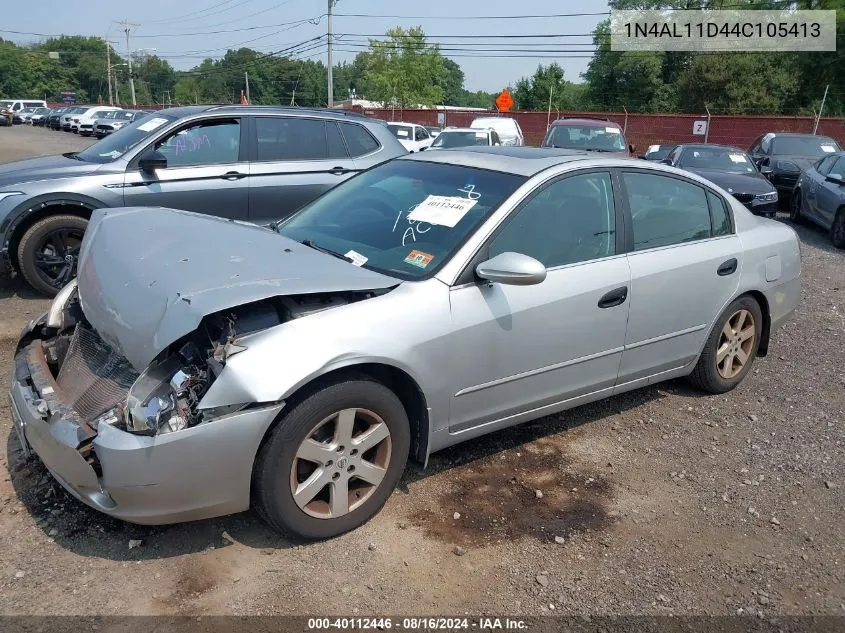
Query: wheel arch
[[397, 380], [36, 210], [766, 330]]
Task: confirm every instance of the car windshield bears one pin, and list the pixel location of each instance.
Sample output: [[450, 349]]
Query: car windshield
[[460, 139], [5, 103], [659, 152], [116, 145], [42, 110], [587, 137], [812, 146], [403, 218], [402, 132], [717, 159], [98, 114]]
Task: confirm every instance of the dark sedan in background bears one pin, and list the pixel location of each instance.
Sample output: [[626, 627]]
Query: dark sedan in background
[[819, 196], [733, 170], [787, 155]]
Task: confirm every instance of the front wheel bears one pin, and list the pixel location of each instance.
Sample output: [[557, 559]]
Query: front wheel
[[731, 347], [48, 252], [837, 231], [333, 460], [795, 208]]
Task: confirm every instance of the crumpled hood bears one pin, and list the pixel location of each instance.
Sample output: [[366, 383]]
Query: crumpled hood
[[754, 182], [147, 276], [45, 168]]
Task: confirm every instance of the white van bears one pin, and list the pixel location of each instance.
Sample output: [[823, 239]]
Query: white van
[[16, 105], [507, 128]]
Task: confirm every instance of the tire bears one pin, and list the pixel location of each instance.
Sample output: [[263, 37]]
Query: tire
[[274, 477], [795, 215], [32, 242], [707, 375], [837, 231]]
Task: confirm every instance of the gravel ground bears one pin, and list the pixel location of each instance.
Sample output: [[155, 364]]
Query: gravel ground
[[661, 501]]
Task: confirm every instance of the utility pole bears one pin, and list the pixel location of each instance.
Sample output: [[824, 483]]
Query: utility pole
[[108, 70], [246, 78], [329, 40], [821, 109], [127, 29]]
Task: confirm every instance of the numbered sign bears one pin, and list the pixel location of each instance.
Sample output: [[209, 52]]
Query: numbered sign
[[699, 128]]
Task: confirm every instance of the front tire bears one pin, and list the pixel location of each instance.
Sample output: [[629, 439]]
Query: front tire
[[837, 231], [731, 347], [795, 215], [333, 460], [48, 251]]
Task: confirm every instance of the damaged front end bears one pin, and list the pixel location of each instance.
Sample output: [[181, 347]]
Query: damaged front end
[[139, 445]]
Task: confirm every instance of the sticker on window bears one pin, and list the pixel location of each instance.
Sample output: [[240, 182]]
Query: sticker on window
[[149, 126], [481, 135], [828, 148], [357, 258], [611, 130], [418, 259], [442, 210], [402, 132], [737, 158]]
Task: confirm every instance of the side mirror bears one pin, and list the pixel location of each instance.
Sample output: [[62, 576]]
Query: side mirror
[[422, 149], [666, 161], [151, 161], [513, 269], [836, 179], [632, 148], [766, 171]]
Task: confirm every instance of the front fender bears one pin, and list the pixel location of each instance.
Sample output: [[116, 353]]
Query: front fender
[[36, 203]]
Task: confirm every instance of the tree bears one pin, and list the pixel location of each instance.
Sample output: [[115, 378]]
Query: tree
[[546, 87], [405, 70]]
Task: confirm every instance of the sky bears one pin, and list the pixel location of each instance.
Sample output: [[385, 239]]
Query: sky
[[186, 31]]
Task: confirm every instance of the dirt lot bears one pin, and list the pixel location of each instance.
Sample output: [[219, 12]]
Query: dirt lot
[[667, 501]]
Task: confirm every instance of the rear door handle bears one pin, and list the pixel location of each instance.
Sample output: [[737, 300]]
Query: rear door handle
[[339, 171], [614, 298], [727, 268], [233, 175]]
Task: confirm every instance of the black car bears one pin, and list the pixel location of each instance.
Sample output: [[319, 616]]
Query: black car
[[657, 152], [731, 169], [54, 118], [787, 154]]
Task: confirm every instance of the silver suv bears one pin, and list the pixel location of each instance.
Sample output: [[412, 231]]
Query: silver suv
[[249, 163]]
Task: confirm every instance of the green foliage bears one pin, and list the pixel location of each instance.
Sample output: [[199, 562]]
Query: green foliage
[[546, 87], [405, 70]]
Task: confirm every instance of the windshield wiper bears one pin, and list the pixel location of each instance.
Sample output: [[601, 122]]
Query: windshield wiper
[[596, 149], [73, 155], [325, 250]]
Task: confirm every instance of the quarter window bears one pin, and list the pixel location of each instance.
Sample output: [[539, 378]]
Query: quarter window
[[358, 139], [336, 147], [571, 220], [666, 210], [719, 213], [209, 143]]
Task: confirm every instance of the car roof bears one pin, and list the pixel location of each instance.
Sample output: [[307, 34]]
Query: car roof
[[586, 121], [332, 113], [521, 161], [468, 129], [804, 134], [711, 146]]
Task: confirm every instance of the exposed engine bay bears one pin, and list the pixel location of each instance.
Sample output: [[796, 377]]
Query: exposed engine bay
[[166, 396]]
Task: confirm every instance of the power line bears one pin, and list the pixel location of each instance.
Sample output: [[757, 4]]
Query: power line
[[191, 14], [472, 17]]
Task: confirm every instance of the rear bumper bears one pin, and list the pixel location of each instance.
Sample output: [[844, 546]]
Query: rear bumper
[[198, 473], [783, 300]]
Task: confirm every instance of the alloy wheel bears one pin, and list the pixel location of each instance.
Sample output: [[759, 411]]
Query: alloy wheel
[[736, 343], [341, 463], [56, 256]]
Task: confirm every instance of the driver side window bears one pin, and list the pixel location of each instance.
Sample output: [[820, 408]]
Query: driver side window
[[208, 143], [825, 165], [569, 221]]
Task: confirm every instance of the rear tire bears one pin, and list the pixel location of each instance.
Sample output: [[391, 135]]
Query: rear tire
[[736, 336], [837, 231], [308, 445]]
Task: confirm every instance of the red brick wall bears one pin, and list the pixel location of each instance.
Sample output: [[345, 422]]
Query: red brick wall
[[642, 129]]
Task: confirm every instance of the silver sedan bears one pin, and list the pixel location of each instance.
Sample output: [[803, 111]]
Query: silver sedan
[[201, 365]]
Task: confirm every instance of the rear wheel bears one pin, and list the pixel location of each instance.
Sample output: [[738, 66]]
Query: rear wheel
[[731, 347], [837, 231], [333, 460], [48, 252]]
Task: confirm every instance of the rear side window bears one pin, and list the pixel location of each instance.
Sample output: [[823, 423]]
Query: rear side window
[[289, 138], [666, 210], [336, 147], [719, 213], [358, 139]]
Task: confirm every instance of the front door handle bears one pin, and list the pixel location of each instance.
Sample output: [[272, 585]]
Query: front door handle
[[339, 171], [233, 175], [614, 298], [727, 268]]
